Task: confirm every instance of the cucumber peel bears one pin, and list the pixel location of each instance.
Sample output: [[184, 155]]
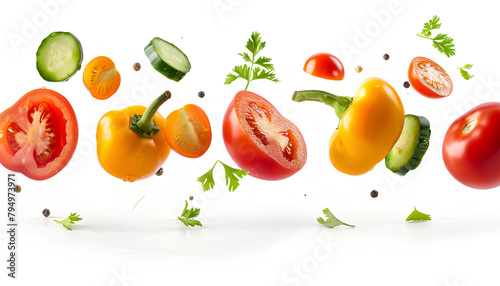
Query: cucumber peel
[[167, 59], [411, 146]]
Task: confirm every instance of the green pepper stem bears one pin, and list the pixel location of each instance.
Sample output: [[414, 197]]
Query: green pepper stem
[[146, 123], [339, 103]]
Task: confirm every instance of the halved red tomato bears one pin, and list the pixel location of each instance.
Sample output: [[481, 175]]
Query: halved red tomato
[[101, 78], [188, 131], [38, 134], [471, 147], [429, 79], [325, 66], [260, 140]]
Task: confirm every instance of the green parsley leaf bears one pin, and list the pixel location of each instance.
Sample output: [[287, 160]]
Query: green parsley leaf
[[233, 177], [188, 215], [331, 221], [416, 215], [442, 42], [249, 73], [431, 25], [67, 222], [464, 73]]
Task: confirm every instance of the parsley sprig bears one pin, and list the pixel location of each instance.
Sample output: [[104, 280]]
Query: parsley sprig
[[442, 42], [465, 74], [264, 69], [233, 177], [418, 216], [188, 215], [331, 221], [67, 222]]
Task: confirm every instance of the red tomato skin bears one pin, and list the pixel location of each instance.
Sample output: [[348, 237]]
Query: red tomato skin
[[325, 66], [246, 153], [473, 158], [18, 112], [419, 86]]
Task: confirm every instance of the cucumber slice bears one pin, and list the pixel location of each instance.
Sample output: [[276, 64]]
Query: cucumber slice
[[167, 59], [408, 152], [59, 56]]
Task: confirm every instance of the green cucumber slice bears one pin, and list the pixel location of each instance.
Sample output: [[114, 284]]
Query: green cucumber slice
[[408, 152], [167, 59], [59, 56]]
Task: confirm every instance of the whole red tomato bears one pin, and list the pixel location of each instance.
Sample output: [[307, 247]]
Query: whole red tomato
[[429, 79], [260, 140], [38, 134], [325, 66], [471, 147]]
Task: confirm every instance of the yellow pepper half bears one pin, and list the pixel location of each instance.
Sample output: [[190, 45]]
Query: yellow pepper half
[[370, 124], [130, 142]]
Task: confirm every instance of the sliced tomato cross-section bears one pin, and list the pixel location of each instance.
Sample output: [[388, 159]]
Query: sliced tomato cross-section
[[260, 140], [38, 134], [429, 79]]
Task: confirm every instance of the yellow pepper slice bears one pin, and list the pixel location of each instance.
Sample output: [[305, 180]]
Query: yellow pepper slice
[[370, 124]]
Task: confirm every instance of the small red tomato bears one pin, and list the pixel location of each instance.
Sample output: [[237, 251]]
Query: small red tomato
[[188, 131], [38, 134], [325, 66], [260, 140], [471, 147], [429, 79]]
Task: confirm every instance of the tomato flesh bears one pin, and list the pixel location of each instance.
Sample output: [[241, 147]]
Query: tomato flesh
[[260, 140], [101, 77], [325, 66], [471, 147], [188, 131], [429, 79], [41, 133]]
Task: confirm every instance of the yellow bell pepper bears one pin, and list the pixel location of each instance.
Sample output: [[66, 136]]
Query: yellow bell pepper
[[370, 124], [131, 144]]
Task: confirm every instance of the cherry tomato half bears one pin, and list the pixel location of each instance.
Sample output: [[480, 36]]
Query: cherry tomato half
[[101, 78], [38, 134], [188, 131], [260, 140], [471, 147], [429, 79], [325, 66]]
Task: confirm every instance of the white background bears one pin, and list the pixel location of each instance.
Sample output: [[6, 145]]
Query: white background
[[265, 233]]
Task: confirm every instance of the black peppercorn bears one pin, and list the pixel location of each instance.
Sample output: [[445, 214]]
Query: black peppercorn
[[159, 172], [374, 194], [386, 57], [46, 212], [406, 84], [201, 94]]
